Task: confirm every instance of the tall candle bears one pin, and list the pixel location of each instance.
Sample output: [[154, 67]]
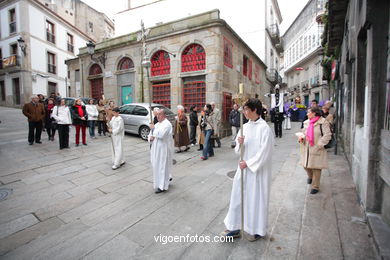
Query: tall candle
[[241, 88]]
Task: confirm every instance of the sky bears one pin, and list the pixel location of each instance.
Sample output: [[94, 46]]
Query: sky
[[289, 9]]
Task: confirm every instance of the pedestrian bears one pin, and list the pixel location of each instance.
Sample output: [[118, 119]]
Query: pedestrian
[[117, 130], [218, 117], [258, 143], [110, 106], [101, 120], [50, 127], [209, 123], [314, 103], [161, 153], [201, 130], [92, 117], [155, 110], [287, 117], [193, 124], [234, 120], [80, 116], [61, 114], [35, 113], [181, 130], [314, 157]]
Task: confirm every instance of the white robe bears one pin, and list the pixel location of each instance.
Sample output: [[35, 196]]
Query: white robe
[[117, 137], [161, 154], [258, 149], [280, 104]]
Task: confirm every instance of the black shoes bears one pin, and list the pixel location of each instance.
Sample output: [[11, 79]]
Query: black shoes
[[30, 143], [38, 142], [309, 181], [159, 191], [314, 191]]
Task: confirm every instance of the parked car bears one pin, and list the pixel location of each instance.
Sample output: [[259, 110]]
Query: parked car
[[69, 101], [137, 118]]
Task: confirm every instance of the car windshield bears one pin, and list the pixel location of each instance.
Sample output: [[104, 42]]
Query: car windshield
[[166, 110]]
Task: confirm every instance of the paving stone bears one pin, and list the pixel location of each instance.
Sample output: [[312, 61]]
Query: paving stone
[[16, 225]]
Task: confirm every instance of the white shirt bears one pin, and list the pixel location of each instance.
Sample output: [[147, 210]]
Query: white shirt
[[62, 115], [92, 112]]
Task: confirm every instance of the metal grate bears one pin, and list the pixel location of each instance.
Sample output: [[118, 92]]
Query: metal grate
[[4, 193]]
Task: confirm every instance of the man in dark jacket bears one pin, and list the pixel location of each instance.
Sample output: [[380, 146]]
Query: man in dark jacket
[[193, 124], [234, 120], [35, 112]]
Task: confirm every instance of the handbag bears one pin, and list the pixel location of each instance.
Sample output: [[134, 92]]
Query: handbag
[[54, 124], [332, 141]]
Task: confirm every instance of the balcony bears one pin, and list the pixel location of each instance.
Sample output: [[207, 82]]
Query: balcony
[[51, 68], [279, 46], [9, 62], [50, 37], [273, 76], [315, 81], [273, 31]]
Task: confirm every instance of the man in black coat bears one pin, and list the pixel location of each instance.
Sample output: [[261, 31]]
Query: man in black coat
[[193, 124]]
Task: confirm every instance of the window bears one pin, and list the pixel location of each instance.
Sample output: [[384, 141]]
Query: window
[[2, 89], [16, 91], [305, 45], [227, 53], [1, 59], [51, 63], [257, 74], [77, 75], [14, 49], [128, 110], [245, 65], [194, 93], [193, 58], [161, 63], [51, 87], [162, 93], [90, 25], [12, 21], [250, 69], [70, 43], [226, 106], [50, 32], [140, 111], [125, 64]]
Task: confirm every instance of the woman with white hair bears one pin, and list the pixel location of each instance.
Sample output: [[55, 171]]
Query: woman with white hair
[[181, 130]]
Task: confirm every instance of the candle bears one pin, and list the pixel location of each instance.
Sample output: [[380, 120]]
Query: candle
[[241, 88]]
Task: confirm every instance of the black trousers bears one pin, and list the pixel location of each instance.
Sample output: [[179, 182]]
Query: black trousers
[[192, 134], [102, 127], [34, 128], [63, 135], [50, 131], [216, 139], [278, 128]]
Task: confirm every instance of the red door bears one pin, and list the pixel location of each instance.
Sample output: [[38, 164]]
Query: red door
[[97, 88]]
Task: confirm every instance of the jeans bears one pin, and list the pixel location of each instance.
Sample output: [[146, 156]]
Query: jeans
[[102, 127], [91, 125], [63, 135], [207, 147], [37, 127], [235, 130]]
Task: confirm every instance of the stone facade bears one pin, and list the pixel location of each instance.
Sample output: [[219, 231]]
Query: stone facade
[[207, 30]]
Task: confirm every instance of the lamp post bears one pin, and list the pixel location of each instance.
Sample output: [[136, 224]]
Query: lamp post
[[22, 45], [91, 51]]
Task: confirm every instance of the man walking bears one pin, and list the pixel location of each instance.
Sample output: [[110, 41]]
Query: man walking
[[234, 120], [217, 114], [161, 153], [35, 112]]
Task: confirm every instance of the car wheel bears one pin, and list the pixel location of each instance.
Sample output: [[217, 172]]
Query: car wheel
[[144, 132]]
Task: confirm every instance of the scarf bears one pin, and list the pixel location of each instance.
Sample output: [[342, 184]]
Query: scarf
[[80, 110], [310, 130], [50, 107]]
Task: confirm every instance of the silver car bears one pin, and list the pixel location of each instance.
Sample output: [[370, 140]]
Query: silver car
[[137, 118]]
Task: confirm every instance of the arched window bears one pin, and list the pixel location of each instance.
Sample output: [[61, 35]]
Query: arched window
[[161, 63], [193, 58], [125, 64], [95, 70]]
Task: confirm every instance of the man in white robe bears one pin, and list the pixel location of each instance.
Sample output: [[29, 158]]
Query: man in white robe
[[161, 152], [117, 130], [258, 143]]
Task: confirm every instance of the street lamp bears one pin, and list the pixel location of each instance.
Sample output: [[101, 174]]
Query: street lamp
[[146, 64], [22, 45], [91, 50]]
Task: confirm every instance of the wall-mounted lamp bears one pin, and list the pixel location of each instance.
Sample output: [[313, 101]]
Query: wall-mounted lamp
[[174, 55], [91, 50], [22, 45]]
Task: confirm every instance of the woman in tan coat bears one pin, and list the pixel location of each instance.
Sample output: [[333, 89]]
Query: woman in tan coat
[[315, 135], [181, 130]]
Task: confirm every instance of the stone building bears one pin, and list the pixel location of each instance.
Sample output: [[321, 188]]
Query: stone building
[[358, 37], [194, 60], [303, 55], [34, 43]]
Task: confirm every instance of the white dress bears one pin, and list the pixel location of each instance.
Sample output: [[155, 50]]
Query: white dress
[[117, 137], [258, 148], [161, 154]]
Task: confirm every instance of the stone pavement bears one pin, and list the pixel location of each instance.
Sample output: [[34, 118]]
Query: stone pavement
[[69, 204]]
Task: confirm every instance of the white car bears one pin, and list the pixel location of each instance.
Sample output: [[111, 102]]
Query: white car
[[136, 117]]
